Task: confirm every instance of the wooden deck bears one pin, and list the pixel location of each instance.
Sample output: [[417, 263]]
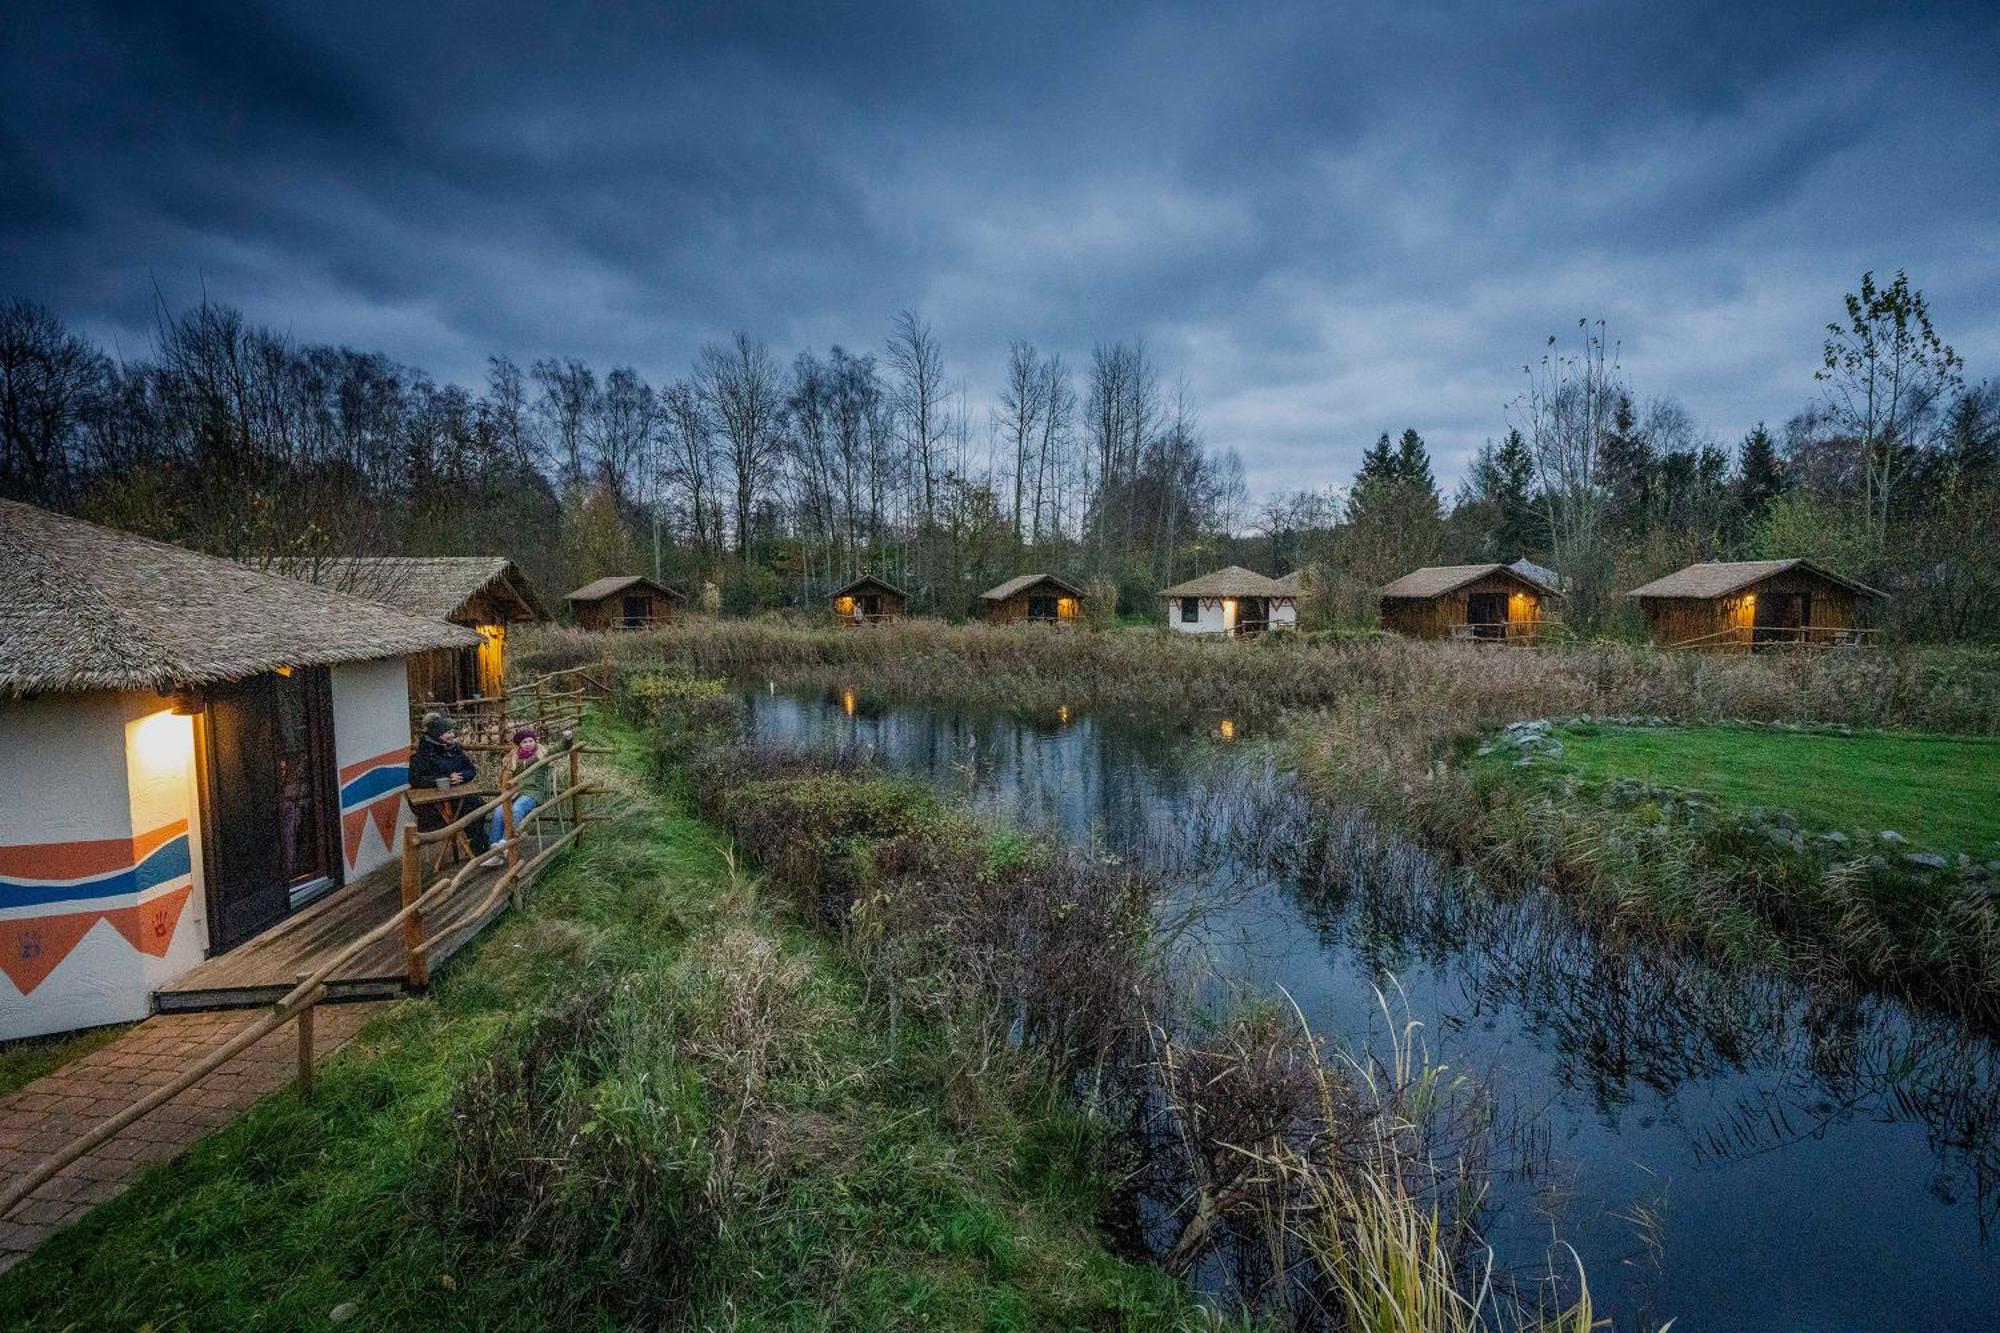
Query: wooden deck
[[261, 969]]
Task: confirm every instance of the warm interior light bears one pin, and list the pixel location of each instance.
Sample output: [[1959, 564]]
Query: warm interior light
[[847, 702], [163, 742], [1228, 729], [1062, 714]]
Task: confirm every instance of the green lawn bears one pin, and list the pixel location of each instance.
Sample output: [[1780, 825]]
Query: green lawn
[[1940, 792], [24, 1061]]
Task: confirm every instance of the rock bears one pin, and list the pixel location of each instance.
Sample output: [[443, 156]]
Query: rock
[[1929, 860], [343, 1312], [1878, 862], [1834, 839], [1891, 837]]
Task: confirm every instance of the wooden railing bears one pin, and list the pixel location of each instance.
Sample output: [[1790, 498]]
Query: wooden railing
[[1742, 638], [297, 1005], [1511, 633]]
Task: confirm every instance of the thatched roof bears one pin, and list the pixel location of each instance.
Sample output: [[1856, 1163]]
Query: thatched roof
[[1230, 581], [88, 608], [1437, 580], [1293, 583], [1720, 578], [434, 586], [1014, 586], [856, 585], [612, 584]]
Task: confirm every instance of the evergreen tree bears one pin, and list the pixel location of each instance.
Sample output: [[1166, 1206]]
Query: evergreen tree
[[1627, 466], [1760, 473], [1413, 461]]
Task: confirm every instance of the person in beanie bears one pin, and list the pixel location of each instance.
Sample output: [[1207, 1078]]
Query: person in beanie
[[439, 758], [531, 791]]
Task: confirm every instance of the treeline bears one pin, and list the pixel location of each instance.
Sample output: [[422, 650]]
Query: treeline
[[760, 483]]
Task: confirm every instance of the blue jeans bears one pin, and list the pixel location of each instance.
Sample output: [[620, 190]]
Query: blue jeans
[[497, 827]]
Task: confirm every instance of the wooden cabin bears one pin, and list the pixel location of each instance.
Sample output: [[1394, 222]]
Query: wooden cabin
[[1480, 603], [1041, 599], [192, 751], [623, 601], [1233, 601], [1749, 605], [485, 593], [868, 601]]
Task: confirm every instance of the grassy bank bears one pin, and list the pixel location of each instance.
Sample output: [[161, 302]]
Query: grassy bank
[[1165, 678], [1940, 792], [648, 1099]]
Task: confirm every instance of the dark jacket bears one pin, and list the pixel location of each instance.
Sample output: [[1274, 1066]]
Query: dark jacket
[[434, 759]]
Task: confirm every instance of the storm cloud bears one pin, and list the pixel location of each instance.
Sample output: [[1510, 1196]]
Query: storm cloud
[[1332, 221]]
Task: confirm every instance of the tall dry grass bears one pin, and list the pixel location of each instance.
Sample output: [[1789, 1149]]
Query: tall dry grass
[[1171, 677]]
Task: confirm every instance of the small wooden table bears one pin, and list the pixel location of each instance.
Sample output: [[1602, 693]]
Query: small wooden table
[[452, 803]]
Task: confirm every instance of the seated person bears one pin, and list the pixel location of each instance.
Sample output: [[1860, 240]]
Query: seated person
[[531, 791], [439, 758]]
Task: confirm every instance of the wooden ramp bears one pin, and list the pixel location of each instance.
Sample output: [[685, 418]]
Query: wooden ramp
[[263, 968]]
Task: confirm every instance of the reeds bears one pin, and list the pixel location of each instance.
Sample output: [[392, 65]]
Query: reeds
[[1167, 678]]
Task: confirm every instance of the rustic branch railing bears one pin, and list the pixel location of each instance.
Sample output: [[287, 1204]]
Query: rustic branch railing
[[297, 1004], [1512, 633], [1744, 637]]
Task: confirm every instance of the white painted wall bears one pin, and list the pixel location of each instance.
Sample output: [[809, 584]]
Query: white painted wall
[[1214, 619], [99, 858], [371, 744], [1285, 614]]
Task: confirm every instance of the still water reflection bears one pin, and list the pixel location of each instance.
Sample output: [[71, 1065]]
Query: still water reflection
[[1727, 1151]]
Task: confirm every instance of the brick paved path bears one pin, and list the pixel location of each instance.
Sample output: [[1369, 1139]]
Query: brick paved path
[[41, 1117]]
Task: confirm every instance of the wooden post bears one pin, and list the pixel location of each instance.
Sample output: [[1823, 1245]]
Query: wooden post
[[413, 924], [512, 830], [575, 801], [306, 1045]]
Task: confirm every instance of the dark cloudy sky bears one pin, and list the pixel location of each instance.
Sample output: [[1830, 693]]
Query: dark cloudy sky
[[1333, 219]]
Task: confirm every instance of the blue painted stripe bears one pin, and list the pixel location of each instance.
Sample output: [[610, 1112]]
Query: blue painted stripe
[[375, 782], [169, 861]]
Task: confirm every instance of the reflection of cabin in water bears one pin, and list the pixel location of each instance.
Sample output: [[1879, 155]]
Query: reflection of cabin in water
[[1483, 603], [623, 601], [485, 593], [192, 751], [1232, 600], [1745, 605], [867, 601], [1038, 598]]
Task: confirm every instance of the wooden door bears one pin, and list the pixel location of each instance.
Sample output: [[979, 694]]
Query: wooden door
[[268, 820], [1486, 612]]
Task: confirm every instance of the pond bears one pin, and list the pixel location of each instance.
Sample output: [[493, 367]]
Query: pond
[[1727, 1151]]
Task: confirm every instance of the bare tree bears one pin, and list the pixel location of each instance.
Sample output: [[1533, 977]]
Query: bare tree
[[1018, 418], [740, 385], [920, 402], [569, 393], [1566, 413], [688, 461], [49, 381]]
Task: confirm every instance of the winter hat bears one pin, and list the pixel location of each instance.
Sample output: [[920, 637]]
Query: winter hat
[[436, 725]]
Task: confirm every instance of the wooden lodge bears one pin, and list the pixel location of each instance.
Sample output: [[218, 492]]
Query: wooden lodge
[[1232, 601], [623, 601], [1491, 603], [1751, 605], [868, 601], [193, 750], [485, 593], [1040, 599]]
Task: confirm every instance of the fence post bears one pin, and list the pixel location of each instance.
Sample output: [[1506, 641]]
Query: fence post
[[512, 830], [306, 1043], [413, 924], [576, 799]]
